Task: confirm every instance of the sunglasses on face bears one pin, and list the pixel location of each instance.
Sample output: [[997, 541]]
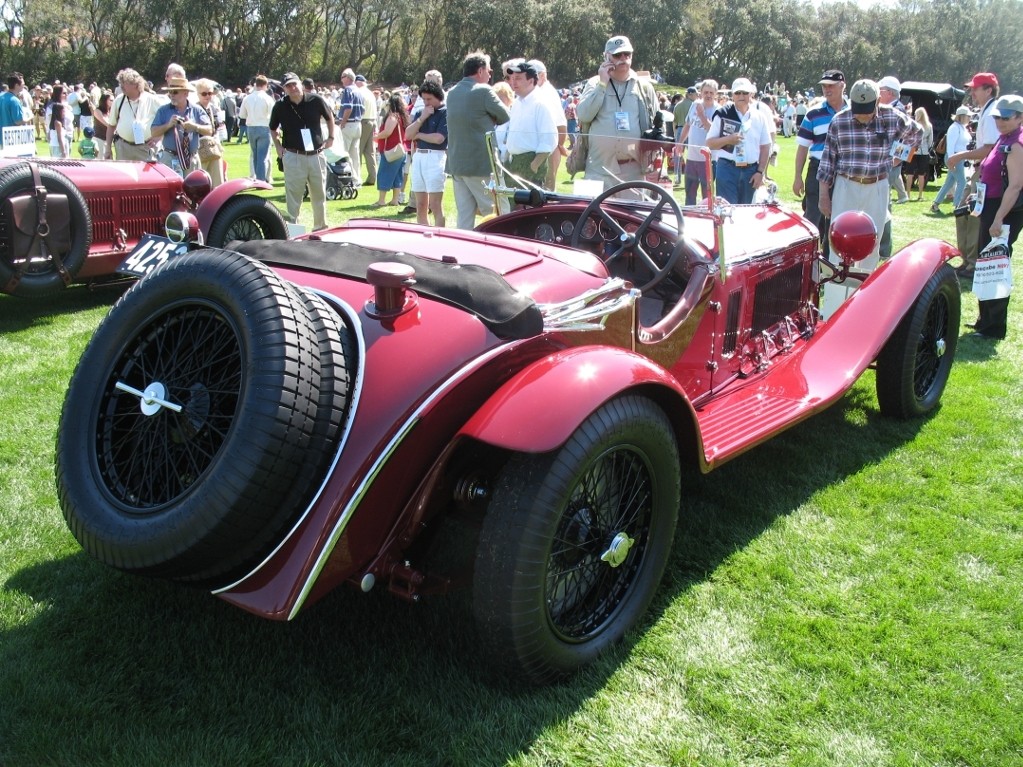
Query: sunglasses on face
[[207, 93], [621, 55], [1010, 117]]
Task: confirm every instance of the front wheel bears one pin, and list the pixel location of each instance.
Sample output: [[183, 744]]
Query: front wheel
[[247, 217], [914, 365], [574, 542]]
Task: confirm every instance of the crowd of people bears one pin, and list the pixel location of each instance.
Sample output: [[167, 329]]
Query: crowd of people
[[853, 149]]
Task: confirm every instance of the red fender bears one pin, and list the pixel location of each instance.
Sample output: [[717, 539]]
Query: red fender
[[212, 203], [538, 409], [876, 308]]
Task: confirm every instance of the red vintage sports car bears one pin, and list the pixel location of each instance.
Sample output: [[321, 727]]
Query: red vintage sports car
[[351, 407], [64, 221]]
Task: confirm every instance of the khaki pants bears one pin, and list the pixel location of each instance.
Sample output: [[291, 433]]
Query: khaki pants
[[301, 171], [471, 195], [968, 232], [368, 151], [139, 153]]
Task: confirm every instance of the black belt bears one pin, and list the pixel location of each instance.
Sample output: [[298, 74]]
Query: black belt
[[302, 151]]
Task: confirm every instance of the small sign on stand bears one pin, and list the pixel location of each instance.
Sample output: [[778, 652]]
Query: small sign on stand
[[19, 141]]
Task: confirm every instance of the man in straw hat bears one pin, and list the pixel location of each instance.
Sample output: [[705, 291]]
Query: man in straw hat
[[178, 125]]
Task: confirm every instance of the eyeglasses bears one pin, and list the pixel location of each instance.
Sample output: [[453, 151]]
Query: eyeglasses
[[621, 55], [1010, 117], [207, 93], [177, 93]]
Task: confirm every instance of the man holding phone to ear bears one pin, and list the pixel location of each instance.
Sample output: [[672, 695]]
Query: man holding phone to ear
[[615, 108]]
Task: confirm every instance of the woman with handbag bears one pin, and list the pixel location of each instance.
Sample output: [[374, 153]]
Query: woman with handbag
[[391, 143], [211, 153], [1001, 189]]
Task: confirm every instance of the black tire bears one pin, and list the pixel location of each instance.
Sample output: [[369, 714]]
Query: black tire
[[200, 494], [545, 602], [246, 217], [40, 277], [332, 192], [914, 365]]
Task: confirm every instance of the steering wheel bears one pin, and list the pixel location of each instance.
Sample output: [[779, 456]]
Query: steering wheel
[[632, 242]]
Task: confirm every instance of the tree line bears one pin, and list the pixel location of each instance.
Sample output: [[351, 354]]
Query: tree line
[[393, 41]]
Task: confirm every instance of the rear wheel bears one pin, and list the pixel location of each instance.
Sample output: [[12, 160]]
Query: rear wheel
[[914, 365], [190, 420], [38, 274], [247, 217], [575, 542]]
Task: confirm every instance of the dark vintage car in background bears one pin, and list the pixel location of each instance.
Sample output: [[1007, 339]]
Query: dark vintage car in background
[[96, 212], [508, 410]]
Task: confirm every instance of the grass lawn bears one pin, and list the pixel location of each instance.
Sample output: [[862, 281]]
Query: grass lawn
[[847, 594]]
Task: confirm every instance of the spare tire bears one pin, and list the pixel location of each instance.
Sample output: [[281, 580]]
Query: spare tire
[[39, 276], [192, 479]]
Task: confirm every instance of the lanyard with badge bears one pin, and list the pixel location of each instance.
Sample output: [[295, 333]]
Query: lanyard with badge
[[307, 135], [621, 116], [138, 132]]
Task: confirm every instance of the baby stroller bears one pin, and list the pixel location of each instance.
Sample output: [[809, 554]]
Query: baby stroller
[[340, 179]]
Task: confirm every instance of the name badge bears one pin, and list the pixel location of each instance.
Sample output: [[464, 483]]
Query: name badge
[[622, 121], [978, 206], [307, 139], [138, 132]]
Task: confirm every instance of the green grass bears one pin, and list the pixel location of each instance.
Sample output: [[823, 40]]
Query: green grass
[[847, 594]]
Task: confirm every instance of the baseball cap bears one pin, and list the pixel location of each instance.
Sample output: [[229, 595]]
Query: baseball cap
[[519, 65], [360, 78], [742, 85], [290, 77], [1009, 106], [618, 44], [983, 78], [863, 97], [691, 89], [962, 111], [832, 76], [891, 83], [537, 65]]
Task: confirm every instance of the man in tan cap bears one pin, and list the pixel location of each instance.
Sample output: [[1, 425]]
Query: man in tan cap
[[615, 108]]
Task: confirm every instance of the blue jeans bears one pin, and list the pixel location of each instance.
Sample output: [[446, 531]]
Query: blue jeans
[[259, 145], [734, 183], [956, 176]]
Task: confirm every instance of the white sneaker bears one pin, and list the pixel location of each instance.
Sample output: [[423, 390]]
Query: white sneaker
[[402, 200]]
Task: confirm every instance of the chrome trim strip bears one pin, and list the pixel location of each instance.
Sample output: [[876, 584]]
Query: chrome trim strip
[[353, 407], [590, 310], [378, 464]]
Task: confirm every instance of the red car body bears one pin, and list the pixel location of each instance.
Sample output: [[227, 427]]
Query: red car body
[[445, 409], [113, 204]]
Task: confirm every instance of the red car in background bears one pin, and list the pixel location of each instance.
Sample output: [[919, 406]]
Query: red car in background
[[96, 211], [509, 410]]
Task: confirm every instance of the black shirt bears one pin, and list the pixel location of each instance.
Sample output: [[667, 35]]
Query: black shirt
[[294, 117]]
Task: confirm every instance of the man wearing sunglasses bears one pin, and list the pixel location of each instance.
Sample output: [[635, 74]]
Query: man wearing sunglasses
[[615, 108]]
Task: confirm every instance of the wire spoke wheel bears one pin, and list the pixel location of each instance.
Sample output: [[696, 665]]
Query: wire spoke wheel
[[610, 504], [148, 460], [574, 542]]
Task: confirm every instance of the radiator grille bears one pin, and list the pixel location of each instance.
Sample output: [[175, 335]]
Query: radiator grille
[[732, 322], [777, 297]]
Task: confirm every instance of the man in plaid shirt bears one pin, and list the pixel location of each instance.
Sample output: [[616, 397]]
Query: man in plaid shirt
[[858, 151]]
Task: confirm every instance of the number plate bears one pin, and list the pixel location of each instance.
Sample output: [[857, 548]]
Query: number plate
[[151, 251]]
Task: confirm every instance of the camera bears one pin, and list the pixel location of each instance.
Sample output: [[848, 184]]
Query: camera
[[966, 208]]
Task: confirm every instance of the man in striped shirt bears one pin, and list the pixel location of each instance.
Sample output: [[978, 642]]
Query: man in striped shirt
[[810, 142]]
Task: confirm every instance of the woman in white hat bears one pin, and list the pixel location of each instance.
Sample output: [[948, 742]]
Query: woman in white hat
[[957, 139]]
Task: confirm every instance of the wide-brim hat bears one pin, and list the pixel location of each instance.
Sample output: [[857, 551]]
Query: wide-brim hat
[[178, 84]]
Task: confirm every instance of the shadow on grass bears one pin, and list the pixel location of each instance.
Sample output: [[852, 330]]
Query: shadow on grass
[[21, 313], [135, 666]]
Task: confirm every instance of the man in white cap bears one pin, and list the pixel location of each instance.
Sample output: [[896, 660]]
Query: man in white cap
[[742, 138], [615, 108], [890, 90], [853, 172], [550, 98]]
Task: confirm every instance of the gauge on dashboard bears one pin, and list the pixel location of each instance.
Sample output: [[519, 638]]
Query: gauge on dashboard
[[651, 239], [567, 227], [545, 233], [589, 229]]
